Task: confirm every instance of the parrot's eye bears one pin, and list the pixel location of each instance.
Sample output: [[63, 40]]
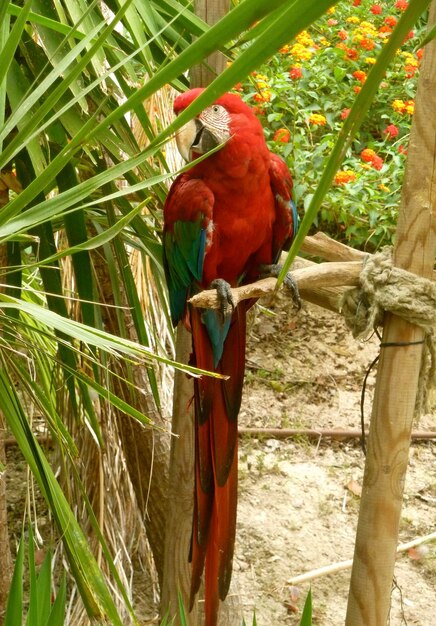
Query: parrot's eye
[[216, 109]]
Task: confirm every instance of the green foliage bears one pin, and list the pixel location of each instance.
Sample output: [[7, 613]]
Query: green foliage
[[305, 93], [70, 73], [43, 607], [306, 617]]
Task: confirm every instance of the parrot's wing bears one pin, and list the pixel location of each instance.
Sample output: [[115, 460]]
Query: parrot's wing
[[286, 222], [188, 213]]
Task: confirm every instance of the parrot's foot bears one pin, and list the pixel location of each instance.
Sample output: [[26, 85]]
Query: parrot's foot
[[225, 298], [274, 270]]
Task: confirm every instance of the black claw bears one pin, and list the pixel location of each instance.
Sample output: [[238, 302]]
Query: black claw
[[274, 270], [224, 295]]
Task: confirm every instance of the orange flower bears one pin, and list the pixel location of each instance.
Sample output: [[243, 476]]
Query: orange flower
[[367, 155], [360, 76], [282, 135], [367, 44], [344, 176]]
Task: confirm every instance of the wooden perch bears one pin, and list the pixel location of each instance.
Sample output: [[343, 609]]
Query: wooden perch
[[307, 278], [321, 245]]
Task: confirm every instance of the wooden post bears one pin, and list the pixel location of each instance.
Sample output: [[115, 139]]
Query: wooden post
[[177, 570], [210, 11], [398, 373]]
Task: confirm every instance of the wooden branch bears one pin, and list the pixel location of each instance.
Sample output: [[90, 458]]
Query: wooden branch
[[307, 278], [342, 565], [321, 245], [315, 433]]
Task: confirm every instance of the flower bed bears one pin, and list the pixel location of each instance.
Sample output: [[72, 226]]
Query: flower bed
[[305, 92]]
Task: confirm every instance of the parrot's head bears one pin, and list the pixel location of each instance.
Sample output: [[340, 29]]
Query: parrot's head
[[210, 128]]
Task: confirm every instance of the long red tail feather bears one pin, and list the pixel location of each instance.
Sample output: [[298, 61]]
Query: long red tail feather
[[217, 404]]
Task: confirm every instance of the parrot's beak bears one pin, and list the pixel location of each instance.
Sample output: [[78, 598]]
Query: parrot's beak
[[195, 138]]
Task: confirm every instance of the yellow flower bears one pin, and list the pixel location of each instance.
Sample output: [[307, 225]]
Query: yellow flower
[[263, 96], [261, 84], [353, 19], [301, 52], [370, 60], [367, 28], [410, 59], [398, 105], [384, 188], [317, 119], [331, 10], [305, 39], [323, 41], [410, 107]]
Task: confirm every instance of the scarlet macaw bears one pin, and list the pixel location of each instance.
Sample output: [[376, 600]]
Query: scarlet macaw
[[225, 220]]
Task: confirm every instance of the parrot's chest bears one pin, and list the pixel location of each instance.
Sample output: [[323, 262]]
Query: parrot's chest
[[241, 233]]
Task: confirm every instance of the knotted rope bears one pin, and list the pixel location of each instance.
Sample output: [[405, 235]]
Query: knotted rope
[[385, 287]]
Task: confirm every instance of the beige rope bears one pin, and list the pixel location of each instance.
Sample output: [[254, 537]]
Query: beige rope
[[384, 287]]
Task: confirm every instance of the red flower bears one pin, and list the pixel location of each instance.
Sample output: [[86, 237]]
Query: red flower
[[282, 135], [376, 9], [351, 53], [391, 131], [402, 149], [345, 113], [357, 88], [343, 34], [369, 156], [420, 54], [367, 44], [401, 4], [410, 35], [391, 21], [295, 73], [357, 3], [377, 162]]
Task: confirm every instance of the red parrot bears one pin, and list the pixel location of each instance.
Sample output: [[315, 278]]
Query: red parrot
[[226, 221]]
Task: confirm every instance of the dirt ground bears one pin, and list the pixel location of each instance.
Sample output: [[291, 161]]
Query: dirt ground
[[298, 502], [298, 498]]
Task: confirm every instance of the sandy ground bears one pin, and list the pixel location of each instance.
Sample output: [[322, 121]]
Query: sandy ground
[[299, 498]]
